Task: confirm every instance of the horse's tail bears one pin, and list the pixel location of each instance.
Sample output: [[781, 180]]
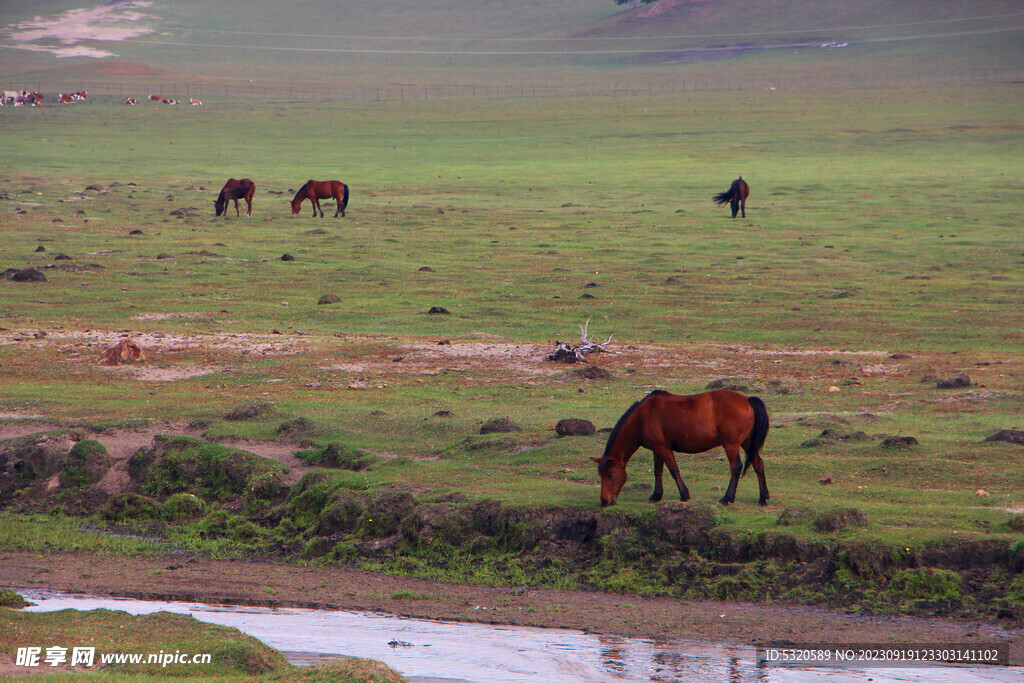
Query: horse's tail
[[344, 196], [760, 431], [723, 198]]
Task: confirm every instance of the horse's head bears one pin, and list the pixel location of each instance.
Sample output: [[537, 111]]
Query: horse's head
[[220, 203], [296, 206], [613, 478]]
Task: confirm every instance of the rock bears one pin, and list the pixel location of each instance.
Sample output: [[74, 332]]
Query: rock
[[500, 424], [28, 275], [328, 299], [438, 310], [1008, 435], [249, 411], [899, 442], [954, 382], [592, 372], [287, 257], [575, 427], [840, 518], [126, 350]]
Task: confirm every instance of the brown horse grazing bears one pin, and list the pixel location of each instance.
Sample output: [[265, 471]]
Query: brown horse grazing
[[666, 423], [315, 190], [235, 189], [735, 196]]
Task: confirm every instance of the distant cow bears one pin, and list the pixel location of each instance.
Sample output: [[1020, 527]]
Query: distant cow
[[235, 189], [196, 102], [159, 98], [131, 100]]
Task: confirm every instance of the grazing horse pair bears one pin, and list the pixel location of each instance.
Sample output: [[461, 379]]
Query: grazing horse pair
[[666, 424], [235, 189], [735, 197], [315, 190]]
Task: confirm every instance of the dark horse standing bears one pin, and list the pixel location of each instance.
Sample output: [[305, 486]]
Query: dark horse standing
[[735, 197], [235, 189], [666, 423], [315, 190]]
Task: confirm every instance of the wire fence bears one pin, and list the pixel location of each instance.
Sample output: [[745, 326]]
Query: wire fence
[[186, 91]]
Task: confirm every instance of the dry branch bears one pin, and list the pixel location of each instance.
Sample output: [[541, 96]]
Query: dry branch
[[578, 352]]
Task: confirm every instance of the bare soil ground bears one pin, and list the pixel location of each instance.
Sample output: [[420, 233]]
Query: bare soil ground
[[274, 584]]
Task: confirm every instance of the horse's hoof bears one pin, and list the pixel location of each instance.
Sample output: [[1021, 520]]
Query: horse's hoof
[[724, 501], [762, 502]]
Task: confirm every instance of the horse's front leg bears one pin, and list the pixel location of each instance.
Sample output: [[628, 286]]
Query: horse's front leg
[[659, 467], [735, 469], [237, 212], [665, 457]]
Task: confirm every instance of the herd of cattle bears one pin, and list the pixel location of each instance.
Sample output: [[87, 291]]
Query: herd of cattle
[[27, 98]]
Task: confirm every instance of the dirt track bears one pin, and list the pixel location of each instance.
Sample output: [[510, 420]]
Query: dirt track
[[265, 583]]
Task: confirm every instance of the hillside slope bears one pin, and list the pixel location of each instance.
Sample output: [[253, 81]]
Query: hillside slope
[[343, 43]]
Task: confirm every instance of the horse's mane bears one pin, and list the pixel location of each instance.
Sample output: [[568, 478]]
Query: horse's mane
[[304, 186], [618, 427]]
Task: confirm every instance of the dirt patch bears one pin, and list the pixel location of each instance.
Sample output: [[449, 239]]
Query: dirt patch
[[62, 34], [273, 584]]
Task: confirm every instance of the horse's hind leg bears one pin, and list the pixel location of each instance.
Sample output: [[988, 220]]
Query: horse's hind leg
[[735, 469], [743, 207], [735, 206], [758, 466]]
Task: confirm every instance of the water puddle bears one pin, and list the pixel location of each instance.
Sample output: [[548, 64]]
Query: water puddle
[[426, 651]]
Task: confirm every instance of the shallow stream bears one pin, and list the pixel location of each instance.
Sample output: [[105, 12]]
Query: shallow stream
[[426, 651]]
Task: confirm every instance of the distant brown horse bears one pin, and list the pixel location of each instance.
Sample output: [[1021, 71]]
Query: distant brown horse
[[735, 197], [235, 189], [315, 190], [666, 424]]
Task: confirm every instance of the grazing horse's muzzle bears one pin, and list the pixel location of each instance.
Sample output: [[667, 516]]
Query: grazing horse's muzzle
[[606, 503]]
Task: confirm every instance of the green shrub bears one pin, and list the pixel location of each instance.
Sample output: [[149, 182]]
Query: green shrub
[[183, 506], [927, 584], [131, 507]]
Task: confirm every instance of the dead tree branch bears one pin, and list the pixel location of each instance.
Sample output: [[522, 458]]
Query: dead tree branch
[[578, 352]]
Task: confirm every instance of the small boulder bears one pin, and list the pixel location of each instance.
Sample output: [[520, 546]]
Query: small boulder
[[575, 427], [28, 275], [899, 442], [1008, 435], [954, 382], [500, 424]]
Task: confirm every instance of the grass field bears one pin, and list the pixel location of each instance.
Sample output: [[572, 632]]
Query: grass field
[[877, 225], [881, 253]]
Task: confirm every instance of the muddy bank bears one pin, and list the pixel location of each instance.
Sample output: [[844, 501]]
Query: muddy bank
[[274, 584]]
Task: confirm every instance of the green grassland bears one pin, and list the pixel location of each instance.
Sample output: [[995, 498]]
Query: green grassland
[[877, 225], [234, 656], [881, 252]]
